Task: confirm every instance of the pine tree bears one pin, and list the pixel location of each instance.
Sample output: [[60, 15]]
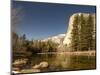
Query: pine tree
[[15, 38], [86, 33], [90, 30], [74, 34], [83, 44], [83, 35]]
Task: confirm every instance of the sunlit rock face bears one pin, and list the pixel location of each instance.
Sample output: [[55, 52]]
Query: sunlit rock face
[[67, 39]]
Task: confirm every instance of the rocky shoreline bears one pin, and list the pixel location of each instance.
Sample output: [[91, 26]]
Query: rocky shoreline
[[35, 68]]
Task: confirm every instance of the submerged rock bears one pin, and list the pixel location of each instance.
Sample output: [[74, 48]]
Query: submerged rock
[[15, 72], [26, 71], [41, 65], [16, 69], [20, 61], [36, 67], [30, 70], [19, 65], [44, 64]]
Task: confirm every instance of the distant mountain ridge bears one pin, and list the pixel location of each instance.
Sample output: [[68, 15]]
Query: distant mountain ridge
[[56, 39]]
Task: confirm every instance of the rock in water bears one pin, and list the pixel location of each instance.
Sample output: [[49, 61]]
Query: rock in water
[[36, 67], [44, 64], [15, 72], [30, 70], [41, 65], [19, 63], [16, 69]]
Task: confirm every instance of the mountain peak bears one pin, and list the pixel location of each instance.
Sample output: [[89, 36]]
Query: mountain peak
[[57, 38]]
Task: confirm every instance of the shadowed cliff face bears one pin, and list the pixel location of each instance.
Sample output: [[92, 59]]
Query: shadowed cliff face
[[67, 39]]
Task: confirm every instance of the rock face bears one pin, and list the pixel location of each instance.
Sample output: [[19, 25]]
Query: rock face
[[67, 39]]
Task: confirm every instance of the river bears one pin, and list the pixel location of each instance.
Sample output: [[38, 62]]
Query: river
[[61, 62]]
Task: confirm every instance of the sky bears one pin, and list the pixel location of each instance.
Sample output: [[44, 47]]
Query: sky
[[41, 20]]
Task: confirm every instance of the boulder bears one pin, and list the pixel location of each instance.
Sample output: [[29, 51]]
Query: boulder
[[41, 65], [15, 69], [44, 64], [19, 63]]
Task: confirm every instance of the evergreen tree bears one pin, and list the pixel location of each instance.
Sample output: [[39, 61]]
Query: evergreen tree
[[86, 29], [15, 38], [83, 41], [74, 34], [83, 34], [90, 30]]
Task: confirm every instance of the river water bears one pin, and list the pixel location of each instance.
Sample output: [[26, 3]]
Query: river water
[[62, 62]]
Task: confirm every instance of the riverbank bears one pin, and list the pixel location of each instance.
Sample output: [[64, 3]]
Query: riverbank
[[80, 53]]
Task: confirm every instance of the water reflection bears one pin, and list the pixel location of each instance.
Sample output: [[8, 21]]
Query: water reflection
[[65, 62], [58, 62], [62, 61]]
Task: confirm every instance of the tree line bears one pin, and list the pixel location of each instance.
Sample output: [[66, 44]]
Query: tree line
[[22, 45], [83, 35]]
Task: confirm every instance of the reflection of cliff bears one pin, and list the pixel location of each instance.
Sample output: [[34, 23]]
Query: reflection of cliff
[[62, 60], [67, 39]]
